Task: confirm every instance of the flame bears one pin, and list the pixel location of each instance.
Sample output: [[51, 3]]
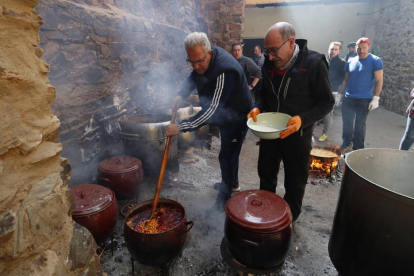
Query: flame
[[318, 167], [175, 180]]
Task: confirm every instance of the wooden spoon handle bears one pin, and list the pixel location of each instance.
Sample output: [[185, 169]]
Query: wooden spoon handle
[[162, 170]]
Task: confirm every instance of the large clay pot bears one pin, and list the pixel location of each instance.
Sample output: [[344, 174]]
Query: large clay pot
[[160, 248], [258, 228], [96, 209], [144, 138], [121, 174], [373, 228]]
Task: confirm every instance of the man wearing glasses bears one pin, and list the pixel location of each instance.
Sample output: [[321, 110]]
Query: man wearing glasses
[[225, 100], [295, 82]]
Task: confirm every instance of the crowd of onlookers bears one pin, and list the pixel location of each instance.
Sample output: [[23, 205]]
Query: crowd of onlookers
[[360, 80]]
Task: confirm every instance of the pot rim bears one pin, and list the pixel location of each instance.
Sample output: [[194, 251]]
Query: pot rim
[[147, 202]]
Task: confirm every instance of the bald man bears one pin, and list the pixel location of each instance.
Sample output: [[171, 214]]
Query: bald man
[[295, 82]]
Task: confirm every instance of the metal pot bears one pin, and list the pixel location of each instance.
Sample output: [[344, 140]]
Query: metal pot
[[155, 249], [373, 228], [121, 174], [185, 139], [144, 138], [258, 228], [96, 209]]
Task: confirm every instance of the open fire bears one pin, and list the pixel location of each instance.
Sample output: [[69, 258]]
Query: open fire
[[323, 161]]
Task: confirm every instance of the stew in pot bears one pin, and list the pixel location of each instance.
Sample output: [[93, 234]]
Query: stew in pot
[[166, 218]]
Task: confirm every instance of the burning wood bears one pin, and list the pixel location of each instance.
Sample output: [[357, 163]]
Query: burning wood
[[323, 161]]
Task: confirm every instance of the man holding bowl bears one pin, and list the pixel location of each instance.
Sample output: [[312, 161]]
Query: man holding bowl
[[295, 82]]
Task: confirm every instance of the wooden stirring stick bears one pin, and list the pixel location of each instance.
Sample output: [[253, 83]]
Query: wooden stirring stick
[[163, 166]]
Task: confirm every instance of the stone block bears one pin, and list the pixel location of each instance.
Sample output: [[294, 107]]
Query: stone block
[[82, 248]]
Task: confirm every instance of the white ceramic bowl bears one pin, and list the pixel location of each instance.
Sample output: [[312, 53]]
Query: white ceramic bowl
[[269, 124]]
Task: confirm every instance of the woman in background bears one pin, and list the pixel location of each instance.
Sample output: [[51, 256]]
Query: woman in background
[[408, 138]]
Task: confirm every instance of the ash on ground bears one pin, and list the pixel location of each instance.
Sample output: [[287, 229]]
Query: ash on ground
[[193, 188]]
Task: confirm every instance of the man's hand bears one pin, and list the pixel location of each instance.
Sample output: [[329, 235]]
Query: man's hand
[[171, 129], [338, 99], [374, 103], [294, 125], [176, 102], [253, 113]]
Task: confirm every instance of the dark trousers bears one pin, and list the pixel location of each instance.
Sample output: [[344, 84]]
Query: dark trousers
[[408, 138], [294, 151], [232, 137], [354, 117]]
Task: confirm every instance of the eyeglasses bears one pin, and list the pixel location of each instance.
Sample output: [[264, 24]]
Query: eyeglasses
[[198, 61], [274, 51]]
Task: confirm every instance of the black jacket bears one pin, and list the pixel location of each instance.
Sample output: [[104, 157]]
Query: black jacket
[[304, 90], [336, 72], [223, 91]]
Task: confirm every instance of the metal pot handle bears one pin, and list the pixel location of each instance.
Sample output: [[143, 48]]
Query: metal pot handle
[[250, 242], [191, 223], [124, 212]]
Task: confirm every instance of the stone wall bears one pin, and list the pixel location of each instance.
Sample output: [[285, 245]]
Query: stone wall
[[225, 21], [113, 58], [392, 34], [37, 236]]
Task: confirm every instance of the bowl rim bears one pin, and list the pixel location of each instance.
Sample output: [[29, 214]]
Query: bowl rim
[[250, 120]]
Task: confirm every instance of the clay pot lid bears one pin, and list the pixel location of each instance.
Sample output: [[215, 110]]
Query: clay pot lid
[[120, 164], [259, 211], [91, 198]]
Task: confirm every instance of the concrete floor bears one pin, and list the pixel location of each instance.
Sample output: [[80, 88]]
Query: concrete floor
[[201, 256]]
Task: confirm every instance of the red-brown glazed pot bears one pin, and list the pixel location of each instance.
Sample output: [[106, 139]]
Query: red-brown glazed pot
[[258, 228], [121, 174], [96, 209]]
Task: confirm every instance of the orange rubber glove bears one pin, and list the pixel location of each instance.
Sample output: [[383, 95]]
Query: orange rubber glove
[[293, 125], [253, 113]]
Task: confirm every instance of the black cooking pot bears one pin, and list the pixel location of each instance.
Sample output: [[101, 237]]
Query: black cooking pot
[[159, 248], [373, 228], [96, 209], [258, 228]]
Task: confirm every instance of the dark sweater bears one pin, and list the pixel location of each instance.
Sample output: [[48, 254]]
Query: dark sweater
[[223, 91]]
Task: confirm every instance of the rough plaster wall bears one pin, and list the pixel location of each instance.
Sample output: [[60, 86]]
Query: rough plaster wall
[[36, 228], [113, 58], [393, 35]]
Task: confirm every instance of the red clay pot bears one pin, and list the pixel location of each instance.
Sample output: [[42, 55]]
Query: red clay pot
[[258, 228], [96, 209], [121, 174]]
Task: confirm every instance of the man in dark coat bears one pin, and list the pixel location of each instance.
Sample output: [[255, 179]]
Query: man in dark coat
[[295, 82]]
